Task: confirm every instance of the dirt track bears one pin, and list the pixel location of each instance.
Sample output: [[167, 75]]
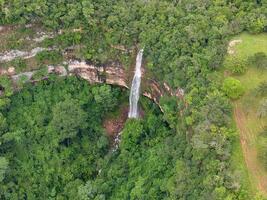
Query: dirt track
[[256, 172]]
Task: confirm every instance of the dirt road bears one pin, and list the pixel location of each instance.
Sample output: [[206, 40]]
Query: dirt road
[[256, 172]]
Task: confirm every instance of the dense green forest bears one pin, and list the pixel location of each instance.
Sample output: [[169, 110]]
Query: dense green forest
[[53, 146], [52, 142], [52, 138]]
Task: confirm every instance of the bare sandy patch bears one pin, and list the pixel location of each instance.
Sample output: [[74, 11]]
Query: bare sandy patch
[[231, 46]]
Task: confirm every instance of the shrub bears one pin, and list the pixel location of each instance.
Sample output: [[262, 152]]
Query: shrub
[[52, 57], [256, 22], [6, 83], [262, 110], [19, 64], [41, 73], [236, 65], [262, 89], [233, 88], [258, 60], [64, 40], [262, 147], [22, 80]]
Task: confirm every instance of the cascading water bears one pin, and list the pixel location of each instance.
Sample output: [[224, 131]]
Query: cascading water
[[135, 88]]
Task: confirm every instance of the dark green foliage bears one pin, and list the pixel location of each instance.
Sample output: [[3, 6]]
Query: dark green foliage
[[257, 21], [19, 64], [261, 90], [64, 40], [216, 110], [258, 60], [66, 127], [49, 57], [132, 135], [262, 110], [184, 41], [262, 147], [51, 135], [53, 138]]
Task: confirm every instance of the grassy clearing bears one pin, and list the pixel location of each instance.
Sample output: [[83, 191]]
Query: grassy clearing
[[239, 165], [248, 123], [249, 103], [251, 44]]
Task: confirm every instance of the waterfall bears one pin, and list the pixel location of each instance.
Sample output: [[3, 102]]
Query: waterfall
[[135, 88]]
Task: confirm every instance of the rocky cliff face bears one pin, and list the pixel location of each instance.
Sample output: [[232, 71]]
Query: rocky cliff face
[[112, 73]]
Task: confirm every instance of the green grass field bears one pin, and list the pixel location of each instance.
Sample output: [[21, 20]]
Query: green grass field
[[251, 44], [248, 123]]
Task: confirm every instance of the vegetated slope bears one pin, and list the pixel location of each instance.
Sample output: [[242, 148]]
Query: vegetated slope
[[250, 125], [184, 42], [52, 138]]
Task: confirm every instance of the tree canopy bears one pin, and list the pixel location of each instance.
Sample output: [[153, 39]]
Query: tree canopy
[[52, 143]]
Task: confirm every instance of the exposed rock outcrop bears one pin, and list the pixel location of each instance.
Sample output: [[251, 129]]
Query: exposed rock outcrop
[[231, 46], [13, 54], [112, 73]]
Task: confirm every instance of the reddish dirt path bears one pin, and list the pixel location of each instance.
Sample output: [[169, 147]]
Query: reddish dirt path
[[114, 125], [256, 172]]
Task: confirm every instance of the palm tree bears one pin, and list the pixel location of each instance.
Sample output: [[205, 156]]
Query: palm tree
[[262, 89], [262, 111]]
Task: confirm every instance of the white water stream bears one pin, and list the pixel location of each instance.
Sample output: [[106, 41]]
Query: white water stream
[[135, 88]]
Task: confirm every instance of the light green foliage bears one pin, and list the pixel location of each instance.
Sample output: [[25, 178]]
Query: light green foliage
[[259, 196], [67, 120], [256, 21], [171, 109], [250, 44], [236, 65], [233, 88], [3, 167], [38, 75], [6, 83], [22, 80], [19, 64], [249, 123], [262, 147], [103, 96], [132, 134], [3, 123], [4, 102], [86, 192]]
